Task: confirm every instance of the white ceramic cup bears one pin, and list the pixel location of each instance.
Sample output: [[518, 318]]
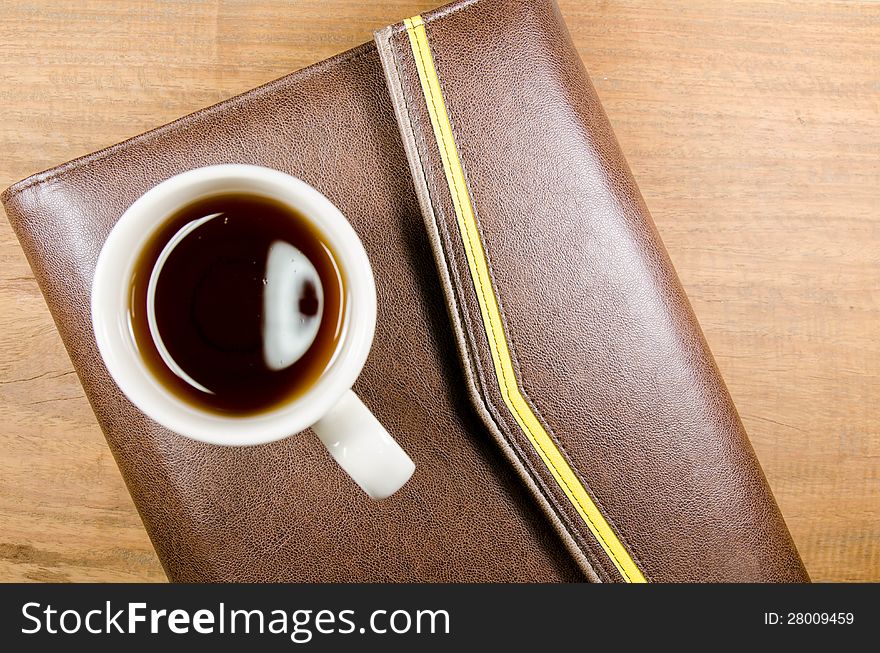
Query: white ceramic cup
[[352, 435]]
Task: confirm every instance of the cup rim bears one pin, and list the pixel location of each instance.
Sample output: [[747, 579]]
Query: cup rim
[[111, 287]]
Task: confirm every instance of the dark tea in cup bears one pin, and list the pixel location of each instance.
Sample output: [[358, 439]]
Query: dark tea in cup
[[237, 303]]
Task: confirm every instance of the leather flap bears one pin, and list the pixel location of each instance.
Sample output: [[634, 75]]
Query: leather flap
[[581, 352]]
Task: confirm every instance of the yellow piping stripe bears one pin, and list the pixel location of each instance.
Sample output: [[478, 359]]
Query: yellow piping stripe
[[507, 382]]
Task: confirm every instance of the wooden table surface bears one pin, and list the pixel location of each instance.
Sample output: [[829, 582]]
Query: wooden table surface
[[753, 129]]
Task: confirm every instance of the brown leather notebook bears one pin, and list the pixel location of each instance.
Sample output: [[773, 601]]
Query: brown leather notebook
[[535, 354]]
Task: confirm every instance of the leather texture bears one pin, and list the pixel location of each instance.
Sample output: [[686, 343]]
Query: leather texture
[[286, 511], [606, 345]]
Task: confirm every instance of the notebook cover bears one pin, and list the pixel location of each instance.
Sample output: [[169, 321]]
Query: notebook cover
[[601, 345], [582, 354]]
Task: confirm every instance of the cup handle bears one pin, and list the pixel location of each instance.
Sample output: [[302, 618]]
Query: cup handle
[[363, 448]]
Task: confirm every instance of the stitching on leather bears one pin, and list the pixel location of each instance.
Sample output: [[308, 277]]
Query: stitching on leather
[[540, 416], [598, 567], [495, 336], [441, 12], [580, 477], [89, 160], [515, 360], [441, 227], [513, 353]]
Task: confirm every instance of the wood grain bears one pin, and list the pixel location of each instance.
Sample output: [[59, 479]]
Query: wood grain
[[752, 127]]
